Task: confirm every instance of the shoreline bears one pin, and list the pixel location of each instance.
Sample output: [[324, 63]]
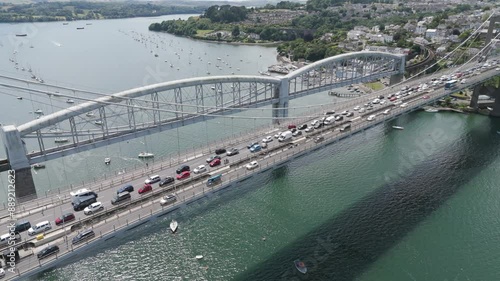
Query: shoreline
[[263, 44]]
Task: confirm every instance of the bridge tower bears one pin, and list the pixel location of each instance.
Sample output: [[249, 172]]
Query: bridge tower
[[282, 94], [480, 89], [399, 77], [16, 153]]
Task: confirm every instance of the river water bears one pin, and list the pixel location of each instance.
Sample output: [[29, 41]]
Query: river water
[[417, 204]]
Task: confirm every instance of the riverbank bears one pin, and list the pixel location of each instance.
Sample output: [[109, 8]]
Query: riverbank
[[51, 11]]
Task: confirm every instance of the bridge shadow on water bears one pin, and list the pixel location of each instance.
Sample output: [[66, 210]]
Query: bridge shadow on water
[[345, 246]]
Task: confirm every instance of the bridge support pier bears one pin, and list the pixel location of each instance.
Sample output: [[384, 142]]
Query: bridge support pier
[[16, 153], [396, 78], [490, 91], [280, 108]]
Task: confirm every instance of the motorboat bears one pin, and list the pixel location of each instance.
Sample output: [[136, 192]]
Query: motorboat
[[98, 122], [61, 140], [301, 267], [19, 98], [173, 226], [398, 127], [146, 155], [199, 257], [107, 161], [38, 111], [431, 110], [80, 28], [70, 101], [38, 166], [90, 114]]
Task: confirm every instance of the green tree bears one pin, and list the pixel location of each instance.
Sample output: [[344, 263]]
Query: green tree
[[236, 31]]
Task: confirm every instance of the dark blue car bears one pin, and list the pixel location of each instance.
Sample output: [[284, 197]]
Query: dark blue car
[[128, 188]]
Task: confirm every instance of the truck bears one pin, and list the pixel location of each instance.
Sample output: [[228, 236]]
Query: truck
[[287, 135]]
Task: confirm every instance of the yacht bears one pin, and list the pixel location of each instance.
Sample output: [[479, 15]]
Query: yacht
[[38, 111], [61, 140], [146, 155], [173, 226], [98, 122], [398, 127], [70, 101], [38, 166]]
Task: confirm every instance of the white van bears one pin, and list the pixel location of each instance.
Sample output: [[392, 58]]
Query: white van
[[329, 120], [39, 228], [4, 239], [285, 136], [153, 179]]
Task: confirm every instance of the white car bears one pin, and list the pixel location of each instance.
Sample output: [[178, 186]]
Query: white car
[[200, 169], [2, 272], [404, 105], [382, 101], [497, 69], [278, 134], [463, 81], [80, 192], [314, 122], [252, 165], [92, 208], [267, 139], [362, 110], [386, 112], [375, 101], [356, 108], [168, 199], [309, 129], [371, 118]]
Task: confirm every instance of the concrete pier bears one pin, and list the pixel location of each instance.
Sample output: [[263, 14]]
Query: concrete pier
[[16, 153]]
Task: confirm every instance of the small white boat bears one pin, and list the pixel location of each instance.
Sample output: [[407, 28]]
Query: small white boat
[[98, 122], [70, 101], [301, 267], [38, 111], [199, 257], [146, 155], [107, 160], [498, 132], [431, 110], [173, 226], [398, 127], [38, 166], [61, 140], [90, 114]]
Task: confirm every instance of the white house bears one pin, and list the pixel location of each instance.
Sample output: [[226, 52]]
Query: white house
[[430, 33], [421, 27]]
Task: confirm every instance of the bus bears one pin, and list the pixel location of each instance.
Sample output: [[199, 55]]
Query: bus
[[450, 84]]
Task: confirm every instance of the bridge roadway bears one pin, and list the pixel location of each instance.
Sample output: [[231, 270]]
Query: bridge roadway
[[190, 190]]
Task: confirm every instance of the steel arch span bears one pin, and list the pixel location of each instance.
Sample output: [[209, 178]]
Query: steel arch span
[[137, 112]]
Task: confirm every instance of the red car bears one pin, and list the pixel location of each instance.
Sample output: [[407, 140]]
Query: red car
[[291, 127], [393, 99], [145, 188], [426, 97], [215, 162], [184, 175], [65, 218]]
